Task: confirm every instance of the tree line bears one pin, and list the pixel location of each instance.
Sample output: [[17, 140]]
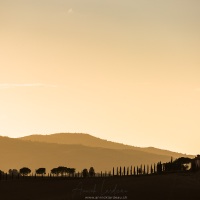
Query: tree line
[[59, 171], [180, 164]]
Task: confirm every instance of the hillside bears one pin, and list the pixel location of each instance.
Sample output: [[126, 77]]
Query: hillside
[[17, 153], [91, 141]]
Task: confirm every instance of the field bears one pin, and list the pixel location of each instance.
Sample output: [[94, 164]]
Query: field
[[183, 186]]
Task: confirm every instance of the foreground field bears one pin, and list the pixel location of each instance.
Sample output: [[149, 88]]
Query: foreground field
[[155, 187]]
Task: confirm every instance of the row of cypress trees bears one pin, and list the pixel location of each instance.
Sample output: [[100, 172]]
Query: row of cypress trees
[[138, 170]]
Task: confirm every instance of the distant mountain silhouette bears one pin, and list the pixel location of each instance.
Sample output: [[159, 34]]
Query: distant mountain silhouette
[[17, 153], [91, 141]]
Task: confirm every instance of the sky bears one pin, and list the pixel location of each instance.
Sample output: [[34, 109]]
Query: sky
[[123, 70]]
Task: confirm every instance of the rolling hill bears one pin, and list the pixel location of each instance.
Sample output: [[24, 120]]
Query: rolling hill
[[20, 152], [91, 141]]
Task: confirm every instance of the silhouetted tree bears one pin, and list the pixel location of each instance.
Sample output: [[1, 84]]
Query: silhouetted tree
[[62, 170], [131, 172], [113, 171], [134, 171], [105, 173], [127, 173], [151, 169], [117, 172], [54, 171], [91, 172], [40, 171], [124, 171], [120, 171], [25, 171], [159, 167], [163, 167], [13, 172], [70, 171], [1, 172], [144, 172], [177, 165], [85, 173], [59, 171]]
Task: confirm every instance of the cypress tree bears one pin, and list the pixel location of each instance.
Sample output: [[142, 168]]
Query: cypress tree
[[113, 171], [127, 171], [151, 169], [131, 170], [117, 172], [120, 171], [163, 167], [158, 169], [134, 171], [124, 171]]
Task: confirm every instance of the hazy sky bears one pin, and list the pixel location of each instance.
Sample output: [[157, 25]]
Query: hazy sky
[[122, 70]]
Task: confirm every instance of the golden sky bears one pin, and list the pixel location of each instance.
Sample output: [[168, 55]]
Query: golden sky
[[126, 71]]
